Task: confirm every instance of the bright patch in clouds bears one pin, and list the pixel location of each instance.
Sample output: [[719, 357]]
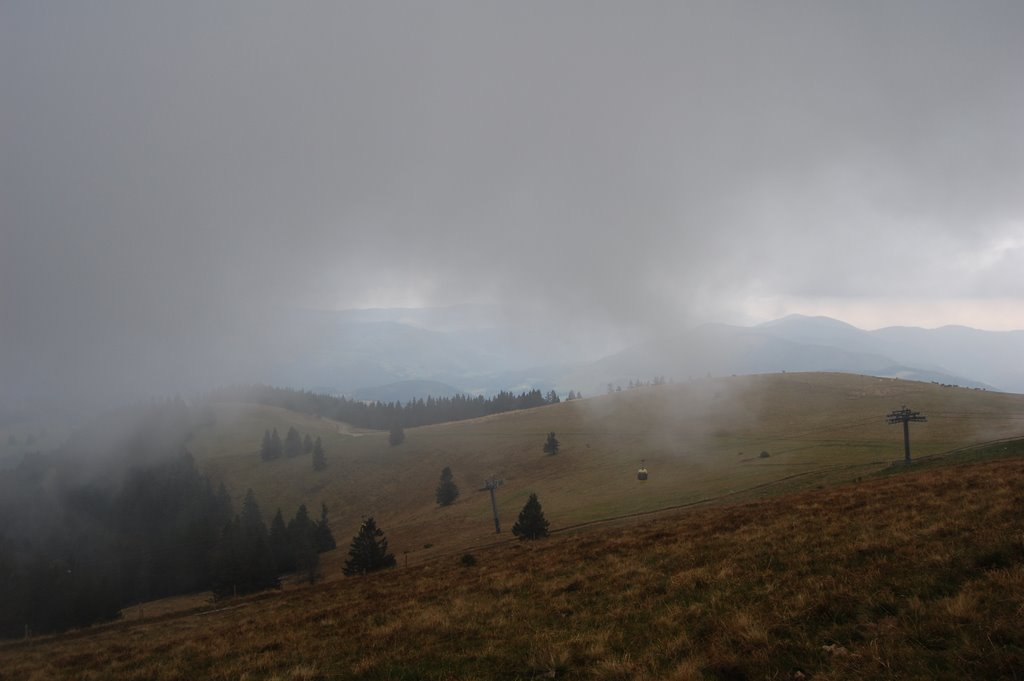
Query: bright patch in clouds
[[993, 314]]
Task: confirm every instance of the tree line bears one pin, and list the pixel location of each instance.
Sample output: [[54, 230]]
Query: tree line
[[384, 415], [121, 515], [251, 557]]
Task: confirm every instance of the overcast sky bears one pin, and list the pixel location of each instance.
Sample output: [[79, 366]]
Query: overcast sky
[[170, 171]]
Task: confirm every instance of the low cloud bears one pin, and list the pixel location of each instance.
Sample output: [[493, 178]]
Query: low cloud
[[172, 176]]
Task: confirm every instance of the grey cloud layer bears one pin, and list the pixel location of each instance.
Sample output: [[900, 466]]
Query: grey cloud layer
[[167, 172]]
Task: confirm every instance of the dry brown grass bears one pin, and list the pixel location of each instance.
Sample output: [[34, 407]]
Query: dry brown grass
[[820, 429], [914, 576]]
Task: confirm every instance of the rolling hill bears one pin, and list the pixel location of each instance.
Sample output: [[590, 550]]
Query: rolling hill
[[917, 575], [701, 440], [774, 539]]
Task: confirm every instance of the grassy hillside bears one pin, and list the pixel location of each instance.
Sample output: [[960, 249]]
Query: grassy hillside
[[700, 440], [918, 575]]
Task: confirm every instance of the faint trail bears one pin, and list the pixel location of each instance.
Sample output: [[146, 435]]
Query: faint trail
[[343, 428], [233, 607]]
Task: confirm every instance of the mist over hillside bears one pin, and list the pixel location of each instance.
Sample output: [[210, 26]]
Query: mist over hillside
[[396, 354], [320, 254], [410, 353]]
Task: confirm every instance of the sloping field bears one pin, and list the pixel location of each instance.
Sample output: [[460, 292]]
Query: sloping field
[[917, 575], [700, 440]]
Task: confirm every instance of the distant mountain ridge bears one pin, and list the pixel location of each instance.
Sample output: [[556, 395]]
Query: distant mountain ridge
[[720, 350], [398, 354], [992, 358]]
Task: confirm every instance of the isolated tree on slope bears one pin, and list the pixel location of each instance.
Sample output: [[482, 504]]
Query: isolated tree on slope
[[551, 444], [268, 450], [307, 444], [447, 491], [292, 442], [274, 446], [397, 434], [531, 523], [319, 460], [368, 551]]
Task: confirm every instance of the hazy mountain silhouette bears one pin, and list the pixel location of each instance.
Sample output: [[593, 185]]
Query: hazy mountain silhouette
[[390, 354]]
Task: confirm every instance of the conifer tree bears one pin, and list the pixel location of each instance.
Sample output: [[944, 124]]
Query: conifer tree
[[258, 561], [397, 434], [531, 523], [551, 444], [324, 537], [226, 560], [447, 491], [275, 444], [307, 444], [222, 504], [368, 551], [302, 533], [267, 451], [292, 442], [243, 561], [319, 460], [281, 545], [252, 519]]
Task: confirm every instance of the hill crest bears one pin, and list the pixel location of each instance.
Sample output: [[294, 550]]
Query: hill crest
[[699, 439]]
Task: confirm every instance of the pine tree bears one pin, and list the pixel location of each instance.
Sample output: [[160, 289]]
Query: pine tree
[[275, 445], [252, 519], [243, 561], [226, 560], [307, 444], [267, 447], [302, 533], [292, 443], [397, 434], [368, 551], [222, 504], [319, 460], [324, 537], [281, 545], [258, 562], [531, 523], [447, 491], [551, 444]]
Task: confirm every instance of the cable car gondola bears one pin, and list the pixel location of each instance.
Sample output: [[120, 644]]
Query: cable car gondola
[[641, 473]]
